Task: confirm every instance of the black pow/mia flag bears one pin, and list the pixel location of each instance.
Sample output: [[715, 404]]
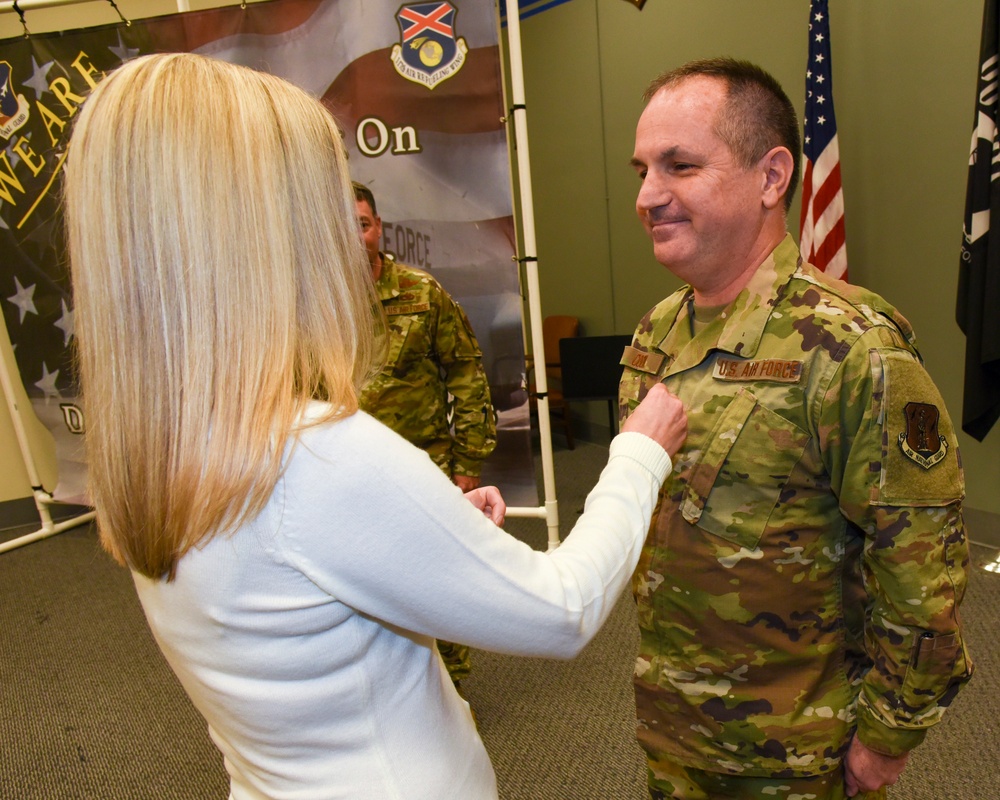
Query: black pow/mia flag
[[978, 308]]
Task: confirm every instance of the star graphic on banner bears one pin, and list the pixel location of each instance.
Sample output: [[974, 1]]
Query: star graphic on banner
[[123, 51], [819, 37], [12, 154], [819, 58], [24, 299], [65, 322], [818, 17], [821, 99], [39, 80], [48, 382], [821, 120], [819, 79], [41, 238]]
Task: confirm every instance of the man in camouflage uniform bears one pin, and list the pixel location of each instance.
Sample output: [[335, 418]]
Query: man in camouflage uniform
[[434, 366], [798, 592]]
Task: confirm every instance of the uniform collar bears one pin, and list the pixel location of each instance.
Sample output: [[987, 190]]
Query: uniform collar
[[749, 313], [743, 320], [387, 285]]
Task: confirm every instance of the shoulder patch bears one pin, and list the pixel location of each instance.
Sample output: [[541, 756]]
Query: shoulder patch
[[920, 464], [920, 442]]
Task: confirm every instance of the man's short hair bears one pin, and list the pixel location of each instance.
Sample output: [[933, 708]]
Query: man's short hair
[[362, 192], [756, 117]]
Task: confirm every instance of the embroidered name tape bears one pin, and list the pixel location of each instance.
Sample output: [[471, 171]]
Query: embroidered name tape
[[411, 308], [641, 361], [769, 369]]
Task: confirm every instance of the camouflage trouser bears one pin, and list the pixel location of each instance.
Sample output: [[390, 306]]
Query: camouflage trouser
[[457, 658], [669, 780]]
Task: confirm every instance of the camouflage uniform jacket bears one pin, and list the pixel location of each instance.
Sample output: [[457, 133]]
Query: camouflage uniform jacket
[[804, 568], [433, 353]]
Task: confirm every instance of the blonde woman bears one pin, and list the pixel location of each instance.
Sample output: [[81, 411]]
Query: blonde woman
[[224, 316]]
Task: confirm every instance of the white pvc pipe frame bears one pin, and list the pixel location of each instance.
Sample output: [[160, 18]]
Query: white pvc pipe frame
[[28, 5], [549, 511], [43, 499]]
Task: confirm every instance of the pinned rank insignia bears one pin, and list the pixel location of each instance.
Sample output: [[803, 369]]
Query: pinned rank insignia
[[920, 441], [13, 107], [428, 51]]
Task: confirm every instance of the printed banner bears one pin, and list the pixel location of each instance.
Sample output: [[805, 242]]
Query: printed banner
[[417, 91]]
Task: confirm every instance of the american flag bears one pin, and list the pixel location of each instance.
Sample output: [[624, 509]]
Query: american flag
[[821, 230]]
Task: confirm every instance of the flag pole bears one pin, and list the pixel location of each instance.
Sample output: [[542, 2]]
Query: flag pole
[[29, 5]]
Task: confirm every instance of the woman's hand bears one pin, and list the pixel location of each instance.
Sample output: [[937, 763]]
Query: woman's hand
[[488, 500], [661, 417]]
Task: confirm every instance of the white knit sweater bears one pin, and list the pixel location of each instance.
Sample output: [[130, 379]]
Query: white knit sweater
[[305, 638]]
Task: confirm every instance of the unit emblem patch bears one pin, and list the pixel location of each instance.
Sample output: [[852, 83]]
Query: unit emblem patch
[[14, 109], [920, 441], [428, 51]]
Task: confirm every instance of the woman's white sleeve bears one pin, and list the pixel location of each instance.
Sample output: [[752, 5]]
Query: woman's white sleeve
[[394, 539]]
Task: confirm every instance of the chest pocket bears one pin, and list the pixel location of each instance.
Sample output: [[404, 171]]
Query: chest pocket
[[733, 489], [407, 340]]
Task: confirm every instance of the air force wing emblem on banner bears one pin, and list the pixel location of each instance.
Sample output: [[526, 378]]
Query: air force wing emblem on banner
[[428, 51], [13, 107]]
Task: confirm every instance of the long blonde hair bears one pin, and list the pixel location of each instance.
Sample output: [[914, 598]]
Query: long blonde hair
[[219, 285]]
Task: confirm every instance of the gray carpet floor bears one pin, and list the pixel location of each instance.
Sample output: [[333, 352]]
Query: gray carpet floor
[[88, 709]]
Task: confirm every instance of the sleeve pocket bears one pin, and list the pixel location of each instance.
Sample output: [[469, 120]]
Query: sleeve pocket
[[935, 660]]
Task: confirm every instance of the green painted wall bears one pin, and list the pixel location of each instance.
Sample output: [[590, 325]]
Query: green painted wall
[[904, 73], [904, 78]]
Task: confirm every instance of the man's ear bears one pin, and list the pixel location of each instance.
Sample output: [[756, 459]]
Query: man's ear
[[777, 167]]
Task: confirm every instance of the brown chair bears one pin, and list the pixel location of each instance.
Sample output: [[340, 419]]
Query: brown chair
[[554, 328]]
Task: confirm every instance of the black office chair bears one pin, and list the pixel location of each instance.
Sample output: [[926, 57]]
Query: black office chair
[[591, 370]]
